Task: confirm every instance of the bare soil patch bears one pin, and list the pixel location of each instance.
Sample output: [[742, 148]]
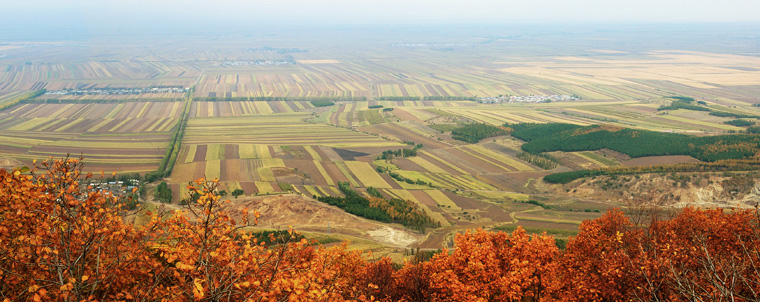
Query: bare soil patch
[[9, 163], [404, 116], [348, 154], [306, 214]]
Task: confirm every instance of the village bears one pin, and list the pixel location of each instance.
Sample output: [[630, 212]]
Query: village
[[526, 99], [117, 91], [289, 61]]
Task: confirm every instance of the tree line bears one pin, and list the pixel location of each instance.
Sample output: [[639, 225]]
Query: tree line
[[473, 133], [378, 208], [543, 161], [22, 99], [172, 152]]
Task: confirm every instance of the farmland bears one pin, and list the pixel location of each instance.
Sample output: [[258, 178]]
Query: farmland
[[124, 137], [252, 122]]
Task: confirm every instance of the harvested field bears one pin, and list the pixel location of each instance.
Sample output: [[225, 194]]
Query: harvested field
[[128, 137], [367, 175], [407, 131], [659, 160]]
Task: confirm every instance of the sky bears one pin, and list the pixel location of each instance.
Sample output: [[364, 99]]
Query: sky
[[17, 16]]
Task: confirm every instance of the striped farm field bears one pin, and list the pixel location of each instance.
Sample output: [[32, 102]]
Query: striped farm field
[[442, 199], [498, 115], [444, 164], [67, 74], [128, 137], [497, 159], [313, 191], [324, 173], [144, 117], [278, 129], [367, 175], [245, 108], [426, 164], [213, 169], [500, 195], [313, 153], [265, 187], [346, 172]]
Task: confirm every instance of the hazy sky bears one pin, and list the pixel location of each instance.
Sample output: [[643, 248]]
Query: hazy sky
[[100, 15]]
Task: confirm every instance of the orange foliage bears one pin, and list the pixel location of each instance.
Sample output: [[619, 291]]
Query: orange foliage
[[62, 242], [494, 266]]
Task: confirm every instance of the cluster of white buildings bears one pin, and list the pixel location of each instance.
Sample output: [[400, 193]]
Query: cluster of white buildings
[[526, 99], [432, 44], [114, 187], [117, 91], [266, 49], [258, 63]]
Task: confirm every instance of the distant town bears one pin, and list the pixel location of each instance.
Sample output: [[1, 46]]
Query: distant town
[[527, 99], [412, 45], [259, 62], [277, 50], [117, 91]]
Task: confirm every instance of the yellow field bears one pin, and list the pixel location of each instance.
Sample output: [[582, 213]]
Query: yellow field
[[344, 169], [498, 158], [443, 200], [190, 153], [264, 187], [367, 175], [213, 169], [213, 151], [272, 163], [324, 173], [312, 152], [265, 174], [426, 164]]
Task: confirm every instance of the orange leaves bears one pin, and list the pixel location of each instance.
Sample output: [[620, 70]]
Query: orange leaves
[[200, 254]]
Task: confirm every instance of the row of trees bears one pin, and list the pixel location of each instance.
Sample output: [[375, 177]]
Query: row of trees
[[378, 208], [172, 152], [27, 97], [731, 114], [322, 103], [61, 244], [473, 133], [544, 161], [739, 123], [389, 155]]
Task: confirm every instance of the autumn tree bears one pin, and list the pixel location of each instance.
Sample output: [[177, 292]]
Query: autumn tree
[[60, 241], [486, 266]]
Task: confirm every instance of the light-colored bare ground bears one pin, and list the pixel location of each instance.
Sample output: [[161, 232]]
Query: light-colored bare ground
[[302, 213]]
